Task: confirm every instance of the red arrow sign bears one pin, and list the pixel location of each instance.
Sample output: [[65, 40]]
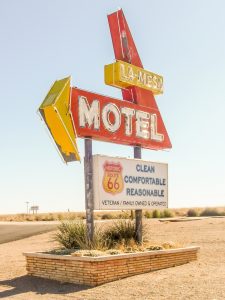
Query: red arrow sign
[[125, 50]]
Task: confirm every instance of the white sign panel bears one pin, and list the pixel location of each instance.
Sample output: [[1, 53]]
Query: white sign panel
[[121, 183]]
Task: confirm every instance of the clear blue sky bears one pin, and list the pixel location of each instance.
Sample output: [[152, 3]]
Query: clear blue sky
[[41, 41]]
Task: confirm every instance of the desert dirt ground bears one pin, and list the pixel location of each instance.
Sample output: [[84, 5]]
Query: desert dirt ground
[[202, 279]]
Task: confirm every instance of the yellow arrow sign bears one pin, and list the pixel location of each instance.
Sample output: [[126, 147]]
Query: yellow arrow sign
[[55, 113]]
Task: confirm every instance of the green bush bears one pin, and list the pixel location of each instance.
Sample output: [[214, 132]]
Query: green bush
[[192, 213], [156, 213], [209, 212], [73, 235], [148, 214], [122, 231], [166, 213]]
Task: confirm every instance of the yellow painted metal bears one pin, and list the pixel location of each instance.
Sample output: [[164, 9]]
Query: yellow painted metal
[[121, 74], [55, 112]]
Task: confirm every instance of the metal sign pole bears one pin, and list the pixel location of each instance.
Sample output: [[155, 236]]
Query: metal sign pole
[[89, 196], [138, 212]]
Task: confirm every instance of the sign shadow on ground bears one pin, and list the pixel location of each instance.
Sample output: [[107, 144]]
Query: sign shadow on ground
[[41, 286]]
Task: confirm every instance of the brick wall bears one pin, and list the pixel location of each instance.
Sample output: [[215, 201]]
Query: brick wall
[[98, 270]]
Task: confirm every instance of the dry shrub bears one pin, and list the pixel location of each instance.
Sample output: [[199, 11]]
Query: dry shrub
[[192, 213], [57, 216], [119, 237], [123, 215], [121, 232], [170, 245], [92, 253], [156, 213], [209, 212], [106, 216], [153, 248], [148, 214], [113, 252], [166, 213], [73, 235]]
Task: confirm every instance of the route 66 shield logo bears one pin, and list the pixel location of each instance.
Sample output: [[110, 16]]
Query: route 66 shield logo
[[112, 179]]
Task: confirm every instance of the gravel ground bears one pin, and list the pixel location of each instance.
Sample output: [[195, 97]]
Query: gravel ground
[[203, 279]]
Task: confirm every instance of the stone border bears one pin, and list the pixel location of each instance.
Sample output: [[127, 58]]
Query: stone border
[[94, 271]]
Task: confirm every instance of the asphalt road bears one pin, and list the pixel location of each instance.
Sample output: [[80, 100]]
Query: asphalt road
[[11, 231]]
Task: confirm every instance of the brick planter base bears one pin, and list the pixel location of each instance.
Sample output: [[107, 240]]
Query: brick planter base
[[94, 271]]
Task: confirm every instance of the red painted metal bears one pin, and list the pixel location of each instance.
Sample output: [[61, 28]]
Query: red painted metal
[[119, 136], [125, 50]]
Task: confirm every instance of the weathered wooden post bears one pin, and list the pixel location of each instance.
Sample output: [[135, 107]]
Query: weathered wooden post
[[138, 212], [89, 197]]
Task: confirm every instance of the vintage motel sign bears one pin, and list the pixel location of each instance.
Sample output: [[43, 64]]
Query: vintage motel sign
[[135, 121], [121, 183], [112, 120], [55, 112]]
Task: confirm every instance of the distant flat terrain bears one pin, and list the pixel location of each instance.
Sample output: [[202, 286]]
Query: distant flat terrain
[[199, 280], [11, 231]]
